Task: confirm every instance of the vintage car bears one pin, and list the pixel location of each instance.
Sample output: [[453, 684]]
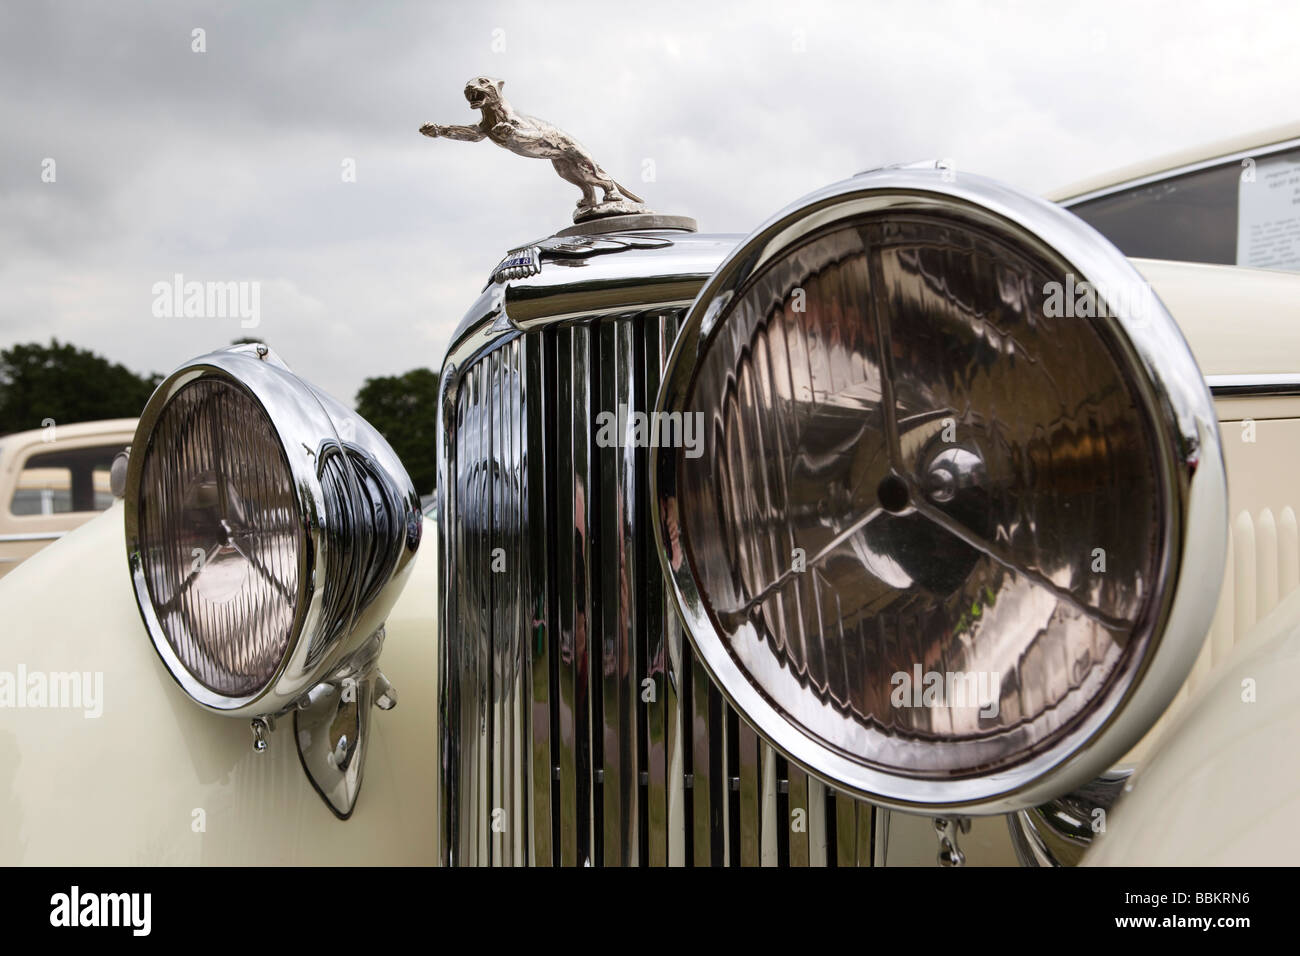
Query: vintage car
[[54, 479], [900, 530]]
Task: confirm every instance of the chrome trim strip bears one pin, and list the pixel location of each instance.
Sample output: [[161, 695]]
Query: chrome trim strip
[[657, 664], [574, 405], [540, 532], [846, 829], [503, 809], [703, 730], [1277, 384], [571, 590], [33, 536], [676, 745], [519, 786], [1237, 157], [770, 827], [747, 747], [722, 784], [819, 848], [880, 837], [799, 803], [478, 581], [620, 698], [508, 801], [586, 513]]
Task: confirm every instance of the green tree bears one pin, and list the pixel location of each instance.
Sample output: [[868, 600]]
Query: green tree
[[404, 409], [67, 384]]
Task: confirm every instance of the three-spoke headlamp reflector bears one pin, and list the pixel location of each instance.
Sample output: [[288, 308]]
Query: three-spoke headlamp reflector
[[940, 525], [220, 540]]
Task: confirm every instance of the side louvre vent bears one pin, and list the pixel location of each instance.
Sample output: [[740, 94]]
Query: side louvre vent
[[1263, 567]]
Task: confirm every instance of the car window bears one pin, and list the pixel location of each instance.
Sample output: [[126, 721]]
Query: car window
[[1243, 212], [63, 481], [42, 491]]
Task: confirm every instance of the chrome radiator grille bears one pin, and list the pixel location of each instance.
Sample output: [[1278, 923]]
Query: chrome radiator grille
[[577, 727]]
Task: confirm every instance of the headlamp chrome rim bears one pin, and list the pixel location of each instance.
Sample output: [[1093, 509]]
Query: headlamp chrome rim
[[1176, 400], [307, 425]]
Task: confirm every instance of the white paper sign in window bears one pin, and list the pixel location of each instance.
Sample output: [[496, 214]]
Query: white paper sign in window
[[1268, 217]]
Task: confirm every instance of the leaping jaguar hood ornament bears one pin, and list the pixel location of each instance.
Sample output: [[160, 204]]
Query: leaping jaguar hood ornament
[[538, 139]]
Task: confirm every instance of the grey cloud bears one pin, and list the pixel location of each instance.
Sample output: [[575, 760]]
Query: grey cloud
[[226, 165]]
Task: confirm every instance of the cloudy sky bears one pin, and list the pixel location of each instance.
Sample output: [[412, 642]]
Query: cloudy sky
[[229, 164]]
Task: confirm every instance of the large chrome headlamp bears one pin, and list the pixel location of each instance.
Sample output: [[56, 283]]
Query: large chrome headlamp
[[269, 530], [957, 526]]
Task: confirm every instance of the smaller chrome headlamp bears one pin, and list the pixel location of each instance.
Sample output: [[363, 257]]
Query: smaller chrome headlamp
[[269, 531]]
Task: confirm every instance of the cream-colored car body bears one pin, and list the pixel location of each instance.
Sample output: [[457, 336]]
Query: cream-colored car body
[[23, 535], [1216, 781], [154, 779], [1221, 785]]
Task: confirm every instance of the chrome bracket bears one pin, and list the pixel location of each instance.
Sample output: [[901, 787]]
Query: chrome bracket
[[947, 830], [1059, 832], [331, 725], [262, 728]]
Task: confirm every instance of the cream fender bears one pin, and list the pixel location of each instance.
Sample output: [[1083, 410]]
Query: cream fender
[[1222, 784], [154, 779]]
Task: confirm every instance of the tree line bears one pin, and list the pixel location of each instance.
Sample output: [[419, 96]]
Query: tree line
[[62, 382]]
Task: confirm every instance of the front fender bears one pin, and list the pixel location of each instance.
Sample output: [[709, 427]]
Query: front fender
[[153, 779], [1222, 785]]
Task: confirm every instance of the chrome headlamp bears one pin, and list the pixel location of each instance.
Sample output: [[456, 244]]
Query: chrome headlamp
[[958, 526], [269, 531]]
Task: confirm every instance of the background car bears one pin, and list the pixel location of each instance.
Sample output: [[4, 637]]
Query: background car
[[53, 480]]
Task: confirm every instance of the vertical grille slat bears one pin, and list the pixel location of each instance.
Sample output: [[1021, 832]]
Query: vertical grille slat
[[572, 480], [747, 748], [537, 538], [621, 601], [727, 785], [706, 820], [580, 728], [483, 591], [498, 589], [773, 830], [820, 824], [798, 810], [852, 831], [608, 536], [676, 652], [657, 658], [451, 717]]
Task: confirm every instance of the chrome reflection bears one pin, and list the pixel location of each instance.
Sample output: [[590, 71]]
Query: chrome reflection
[[269, 531], [676, 778], [916, 468], [220, 544], [332, 726], [1059, 832], [1013, 447], [299, 508]]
